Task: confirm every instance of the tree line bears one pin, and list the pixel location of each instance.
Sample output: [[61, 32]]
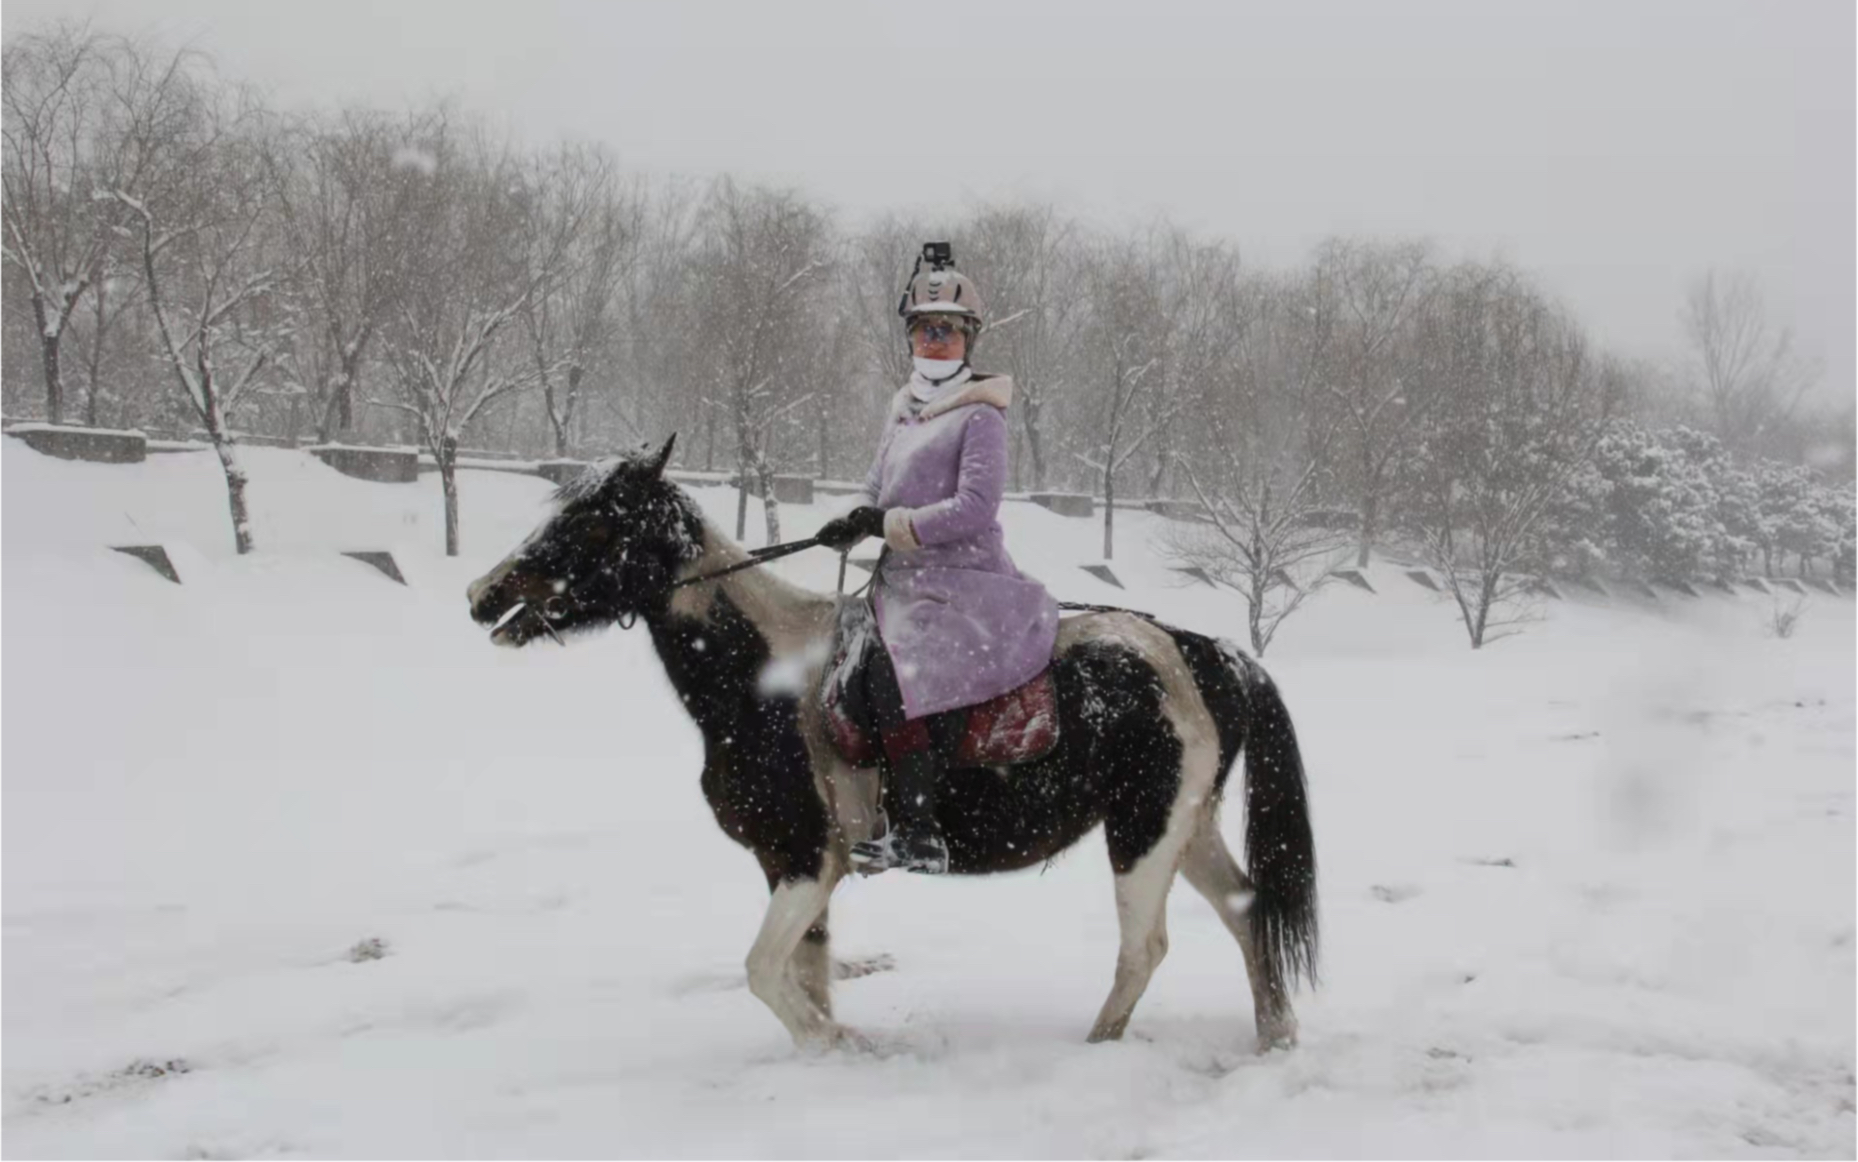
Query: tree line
[[183, 258]]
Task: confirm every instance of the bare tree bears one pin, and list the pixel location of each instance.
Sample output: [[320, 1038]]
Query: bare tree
[[583, 216], [63, 148], [762, 272], [352, 190], [472, 286], [1523, 405], [1749, 375], [1370, 293], [1260, 470], [199, 225], [1025, 259], [1126, 340], [875, 265]]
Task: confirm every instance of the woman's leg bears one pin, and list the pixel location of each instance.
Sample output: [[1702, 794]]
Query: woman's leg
[[913, 763]]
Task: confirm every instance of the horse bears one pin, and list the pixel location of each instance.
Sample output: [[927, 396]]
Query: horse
[[1151, 719]]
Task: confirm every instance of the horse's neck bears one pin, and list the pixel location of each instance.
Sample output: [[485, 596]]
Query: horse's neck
[[718, 637], [787, 616]]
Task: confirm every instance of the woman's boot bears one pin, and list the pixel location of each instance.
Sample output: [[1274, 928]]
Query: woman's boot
[[913, 840]]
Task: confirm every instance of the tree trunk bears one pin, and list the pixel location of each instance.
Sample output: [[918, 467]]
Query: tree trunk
[[770, 507], [95, 361], [1033, 444], [229, 464], [48, 352], [447, 455], [555, 427], [1109, 511], [1370, 519], [235, 493], [1480, 622], [824, 472], [339, 408]]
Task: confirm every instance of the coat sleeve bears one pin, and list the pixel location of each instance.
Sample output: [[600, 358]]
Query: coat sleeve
[[979, 485]]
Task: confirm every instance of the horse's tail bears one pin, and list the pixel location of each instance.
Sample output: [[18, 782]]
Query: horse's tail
[[1280, 851]]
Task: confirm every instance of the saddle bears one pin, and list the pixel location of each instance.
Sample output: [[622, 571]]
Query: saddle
[[1018, 726]]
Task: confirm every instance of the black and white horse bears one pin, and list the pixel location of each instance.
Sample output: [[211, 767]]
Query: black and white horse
[[1151, 720]]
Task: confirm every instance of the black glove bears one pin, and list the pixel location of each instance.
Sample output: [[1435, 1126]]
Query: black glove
[[843, 532]]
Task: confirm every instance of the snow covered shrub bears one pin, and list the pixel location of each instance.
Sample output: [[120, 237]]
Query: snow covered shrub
[[1784, 617]]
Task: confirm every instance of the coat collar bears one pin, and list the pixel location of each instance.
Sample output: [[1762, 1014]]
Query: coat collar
[[994, 390]]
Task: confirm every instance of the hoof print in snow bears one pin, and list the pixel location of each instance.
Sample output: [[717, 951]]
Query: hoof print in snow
[[863, 966], [1440, 1053], [1485, 861], [1393, 894], [373, 948], [1467, 978], [1577, 736], [137, 1072]]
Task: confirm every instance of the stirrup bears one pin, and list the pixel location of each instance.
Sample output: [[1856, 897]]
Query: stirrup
[[927, 854]]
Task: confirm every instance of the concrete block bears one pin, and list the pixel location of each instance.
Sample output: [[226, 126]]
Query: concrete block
[[97, 445], [382, 465], [793, 489], [1545, 587], [1065, 503], [155, 556], [1787, 583], [559, 472], [1176, 509], [1425, 579], [1102, 573], [1354, 577], [380, 560]]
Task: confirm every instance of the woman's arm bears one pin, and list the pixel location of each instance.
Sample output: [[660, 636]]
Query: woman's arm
[[978, 488]]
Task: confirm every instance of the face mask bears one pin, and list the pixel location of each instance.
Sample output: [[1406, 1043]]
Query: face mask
[[936, 370]]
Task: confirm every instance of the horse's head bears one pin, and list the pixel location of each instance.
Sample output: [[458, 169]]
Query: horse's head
[[609, 552]]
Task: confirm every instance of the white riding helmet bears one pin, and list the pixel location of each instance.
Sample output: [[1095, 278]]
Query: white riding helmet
[[941, 290]]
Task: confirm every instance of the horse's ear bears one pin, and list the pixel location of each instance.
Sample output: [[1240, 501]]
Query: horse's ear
[[656, 464]]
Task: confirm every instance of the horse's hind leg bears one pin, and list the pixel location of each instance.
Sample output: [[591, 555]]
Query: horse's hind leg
[[1210, 868], [1142, 913]]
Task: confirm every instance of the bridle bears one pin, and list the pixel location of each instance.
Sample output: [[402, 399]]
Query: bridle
[[559, 605]]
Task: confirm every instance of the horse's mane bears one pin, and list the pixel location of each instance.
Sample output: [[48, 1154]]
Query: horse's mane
[[591, 480]]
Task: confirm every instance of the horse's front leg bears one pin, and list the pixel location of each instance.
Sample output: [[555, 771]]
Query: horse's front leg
[[797, 904]]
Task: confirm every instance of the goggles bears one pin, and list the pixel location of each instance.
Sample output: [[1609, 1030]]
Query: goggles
[[936, 329]]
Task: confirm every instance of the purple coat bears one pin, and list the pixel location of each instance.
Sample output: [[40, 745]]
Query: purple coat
[[962, 625]]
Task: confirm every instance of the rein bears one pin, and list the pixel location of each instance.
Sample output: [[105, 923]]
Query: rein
[[756, 557], [768, 553]]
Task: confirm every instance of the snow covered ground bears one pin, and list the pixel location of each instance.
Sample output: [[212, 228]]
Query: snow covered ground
[[1588, 892]]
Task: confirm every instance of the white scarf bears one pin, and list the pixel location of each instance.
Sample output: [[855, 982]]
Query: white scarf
[[934, 378]]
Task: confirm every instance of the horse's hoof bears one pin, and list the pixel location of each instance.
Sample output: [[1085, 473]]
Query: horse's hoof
[[1105, 1033], [1279, 1037], [846, 1039]]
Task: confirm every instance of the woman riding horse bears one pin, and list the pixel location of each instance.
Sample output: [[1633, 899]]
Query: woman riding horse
[[959, 623]]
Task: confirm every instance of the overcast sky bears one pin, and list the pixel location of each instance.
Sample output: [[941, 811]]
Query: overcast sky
[[1615, 148]]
